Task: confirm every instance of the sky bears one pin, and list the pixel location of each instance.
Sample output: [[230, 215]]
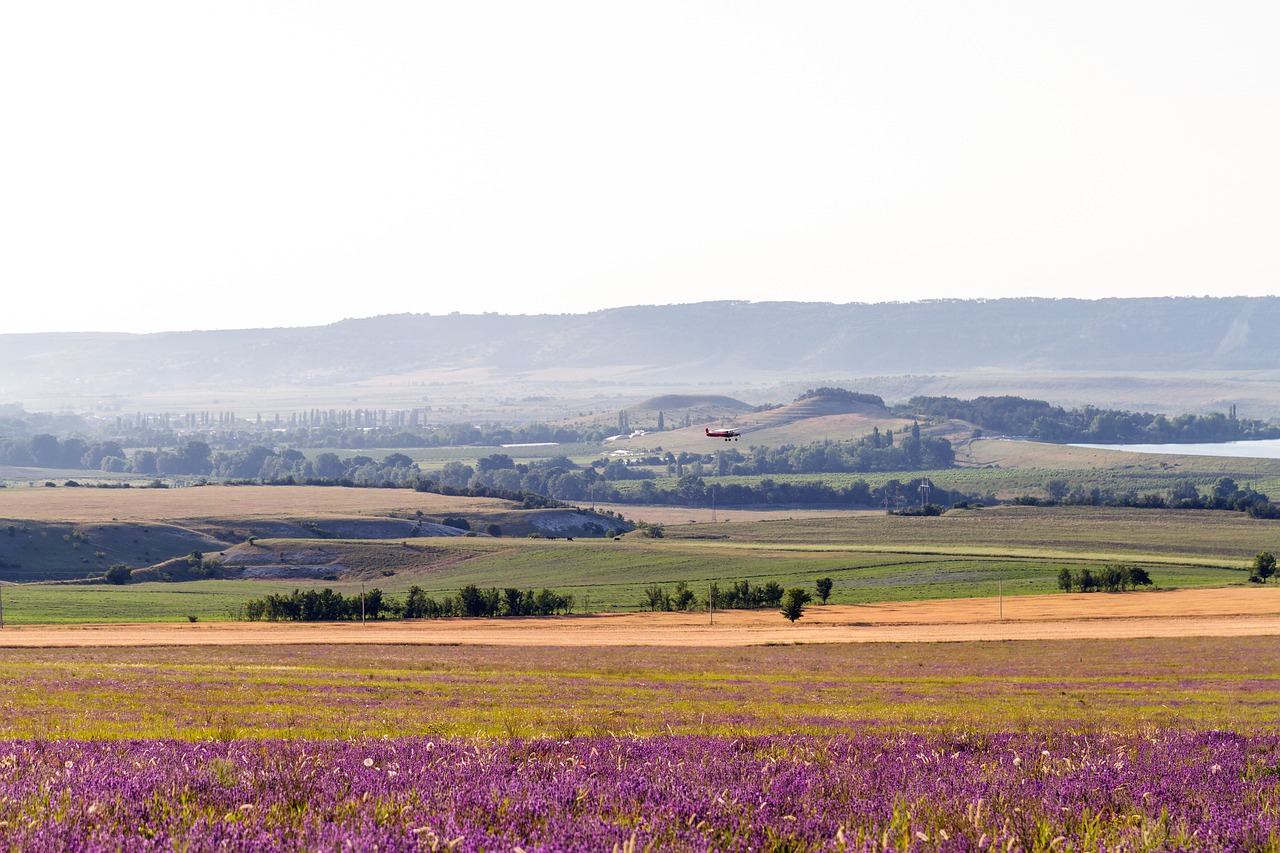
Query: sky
[[181, 165]]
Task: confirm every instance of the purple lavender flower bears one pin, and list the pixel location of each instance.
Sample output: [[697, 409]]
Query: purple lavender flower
[[1167, 789]]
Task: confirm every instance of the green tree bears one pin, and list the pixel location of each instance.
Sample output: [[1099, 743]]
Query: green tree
[[769, 594], [1263, 566], [793, 602], [1109, 578], [517, 602], [824, 586], [1056, 489], [455, 474], [328, 466], [415, 603], [1138, 577], [475, 602], [1085, 580], [1065, 581], [118, 574], [655, 598]]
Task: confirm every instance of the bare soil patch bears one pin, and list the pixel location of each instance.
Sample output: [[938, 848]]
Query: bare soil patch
[[1227, 612]]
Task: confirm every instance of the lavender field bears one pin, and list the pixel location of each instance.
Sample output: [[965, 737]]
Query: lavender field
[[1136, 791], [1099, 745]]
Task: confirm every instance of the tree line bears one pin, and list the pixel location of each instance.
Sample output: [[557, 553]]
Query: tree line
[[1088, 424], [691, 490], [326, 605], [740, 596], [1224, 494]]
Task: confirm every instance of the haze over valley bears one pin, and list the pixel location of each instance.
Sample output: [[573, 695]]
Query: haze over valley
[[1167, 355]]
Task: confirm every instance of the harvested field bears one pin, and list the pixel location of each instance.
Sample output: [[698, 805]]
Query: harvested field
[[241, 502], [1224, 612]]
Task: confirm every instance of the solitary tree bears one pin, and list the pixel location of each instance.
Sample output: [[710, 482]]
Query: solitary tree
[[1263, 567], [824, 588], [793, 602]]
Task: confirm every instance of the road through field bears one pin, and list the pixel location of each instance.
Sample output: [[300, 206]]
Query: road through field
[[1237, 611]]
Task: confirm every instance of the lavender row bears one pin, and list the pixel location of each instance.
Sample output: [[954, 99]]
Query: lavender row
[[1158, 790]]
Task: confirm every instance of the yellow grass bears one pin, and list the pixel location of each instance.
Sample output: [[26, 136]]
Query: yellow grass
[[88, 505], [1226, 612]]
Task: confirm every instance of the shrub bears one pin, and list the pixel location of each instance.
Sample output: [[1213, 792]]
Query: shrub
[[118, 574]]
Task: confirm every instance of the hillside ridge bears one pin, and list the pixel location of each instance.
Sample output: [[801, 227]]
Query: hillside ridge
[[707, 341]]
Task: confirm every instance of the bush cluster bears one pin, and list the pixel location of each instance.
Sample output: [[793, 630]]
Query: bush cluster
[[1113, 577]]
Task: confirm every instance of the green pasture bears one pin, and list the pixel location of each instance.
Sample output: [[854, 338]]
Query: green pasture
[[872, 558], [1004, 483], [324, 691], [62, 604], [1209, 537]]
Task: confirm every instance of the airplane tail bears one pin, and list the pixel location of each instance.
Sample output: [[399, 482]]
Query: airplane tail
[[708, 430]]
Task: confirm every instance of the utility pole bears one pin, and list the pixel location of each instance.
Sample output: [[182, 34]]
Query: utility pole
[[711, 604], [1, 607], [362, 604]]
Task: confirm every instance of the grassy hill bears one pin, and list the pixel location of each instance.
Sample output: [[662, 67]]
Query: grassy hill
[[800, 422], [71, 534]]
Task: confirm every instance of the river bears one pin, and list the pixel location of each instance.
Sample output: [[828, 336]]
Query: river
[[1265, 449]]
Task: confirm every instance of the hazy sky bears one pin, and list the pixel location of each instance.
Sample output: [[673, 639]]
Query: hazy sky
[[175, 165]]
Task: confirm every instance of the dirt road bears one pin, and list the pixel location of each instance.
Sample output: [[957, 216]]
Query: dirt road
[[1237, 611]]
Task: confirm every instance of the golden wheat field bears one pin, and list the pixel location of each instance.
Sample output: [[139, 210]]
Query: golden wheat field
[[1224, 612]]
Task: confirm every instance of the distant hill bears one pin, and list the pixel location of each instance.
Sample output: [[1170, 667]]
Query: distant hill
[[682, 402], [710, 342], [814, 418]]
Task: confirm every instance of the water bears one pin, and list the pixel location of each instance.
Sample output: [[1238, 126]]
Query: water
[[1265, 449]]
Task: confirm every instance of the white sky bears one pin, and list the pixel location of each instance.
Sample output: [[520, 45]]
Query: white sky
[[176, 165]]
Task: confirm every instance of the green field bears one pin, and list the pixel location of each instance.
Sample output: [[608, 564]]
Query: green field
[[1006, 483], [871, 558]]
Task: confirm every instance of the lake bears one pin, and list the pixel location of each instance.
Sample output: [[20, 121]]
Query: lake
[[1264, 449]]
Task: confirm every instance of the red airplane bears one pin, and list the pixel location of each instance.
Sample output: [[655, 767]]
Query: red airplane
[[726, 434]]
